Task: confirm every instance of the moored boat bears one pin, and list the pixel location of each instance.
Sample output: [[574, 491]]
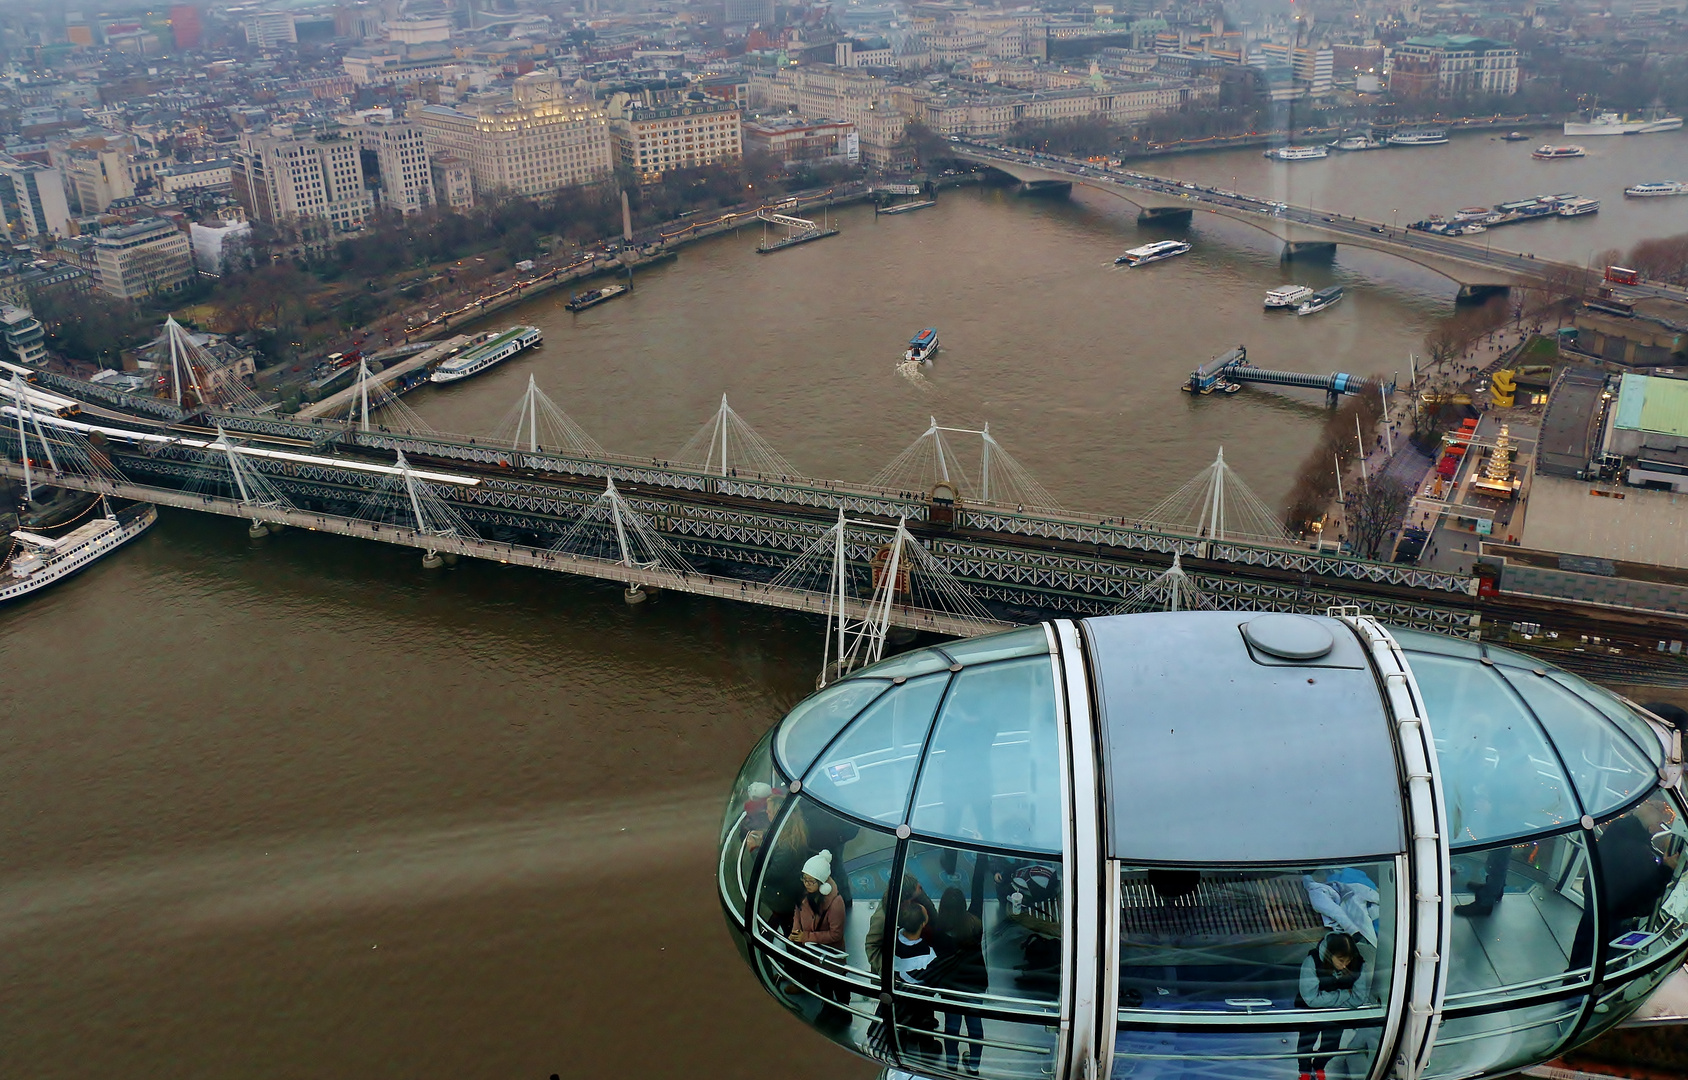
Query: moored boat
[[478, 359], [39, 561], [1554, 153], [1515, 136], [1298, 153], [921, 346], [1148, 253], [1578, 207], [1357, 142], [1287, 296], [594, 297], [1320, 300], [1611, 123], [1420, 137]]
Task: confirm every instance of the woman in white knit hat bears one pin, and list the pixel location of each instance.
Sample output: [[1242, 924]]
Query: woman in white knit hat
[[819, 919]]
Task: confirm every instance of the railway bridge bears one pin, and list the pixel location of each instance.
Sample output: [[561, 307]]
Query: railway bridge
[[921, 546]]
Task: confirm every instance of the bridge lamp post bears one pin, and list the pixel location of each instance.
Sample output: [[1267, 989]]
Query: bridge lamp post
[[1396, 222]]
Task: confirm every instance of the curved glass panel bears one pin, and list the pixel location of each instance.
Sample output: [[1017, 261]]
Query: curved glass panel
[[1519, 916], [817, 720], [1509, 658], [988, 926], [1436, 644], [1606, 767], [807, 831], [993, 772], [1499, 775], [1616, 1005], [754, 802], [868, 771], [1340, 1050], [1498, 1042], [1643, 895], [1031, 641], [969, 1044], [1251, 943], [1638, 729], [842, 1011], [918, 662]]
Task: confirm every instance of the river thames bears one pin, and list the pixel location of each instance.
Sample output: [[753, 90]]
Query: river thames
[[297, 807]]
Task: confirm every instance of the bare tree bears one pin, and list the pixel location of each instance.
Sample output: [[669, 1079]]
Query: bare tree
[[1373, 511]]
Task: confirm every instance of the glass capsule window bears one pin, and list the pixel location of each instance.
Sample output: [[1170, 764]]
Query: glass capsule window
[[1491, 1043], [1248, 944], [868, 770], [1643, 893]]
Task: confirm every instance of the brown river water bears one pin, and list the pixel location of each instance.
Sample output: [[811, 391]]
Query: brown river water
[[295, 807]]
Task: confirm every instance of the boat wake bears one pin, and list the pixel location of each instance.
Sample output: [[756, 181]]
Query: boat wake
[[912, 370]]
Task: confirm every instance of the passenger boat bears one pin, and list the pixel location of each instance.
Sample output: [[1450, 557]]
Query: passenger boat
[[1473, 213], [921, 346], [38, 560], [479, 358], [1611, 123], [1578, 207], [1287, 296], [1515, 136], [1357, 142], [1320, 300], [1421, 137], [1657, 188], [593, 297], [1148, 253], [1554, 153], [1298, 153]]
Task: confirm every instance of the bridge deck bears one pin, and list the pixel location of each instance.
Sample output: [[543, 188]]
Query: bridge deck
[[914, 618]]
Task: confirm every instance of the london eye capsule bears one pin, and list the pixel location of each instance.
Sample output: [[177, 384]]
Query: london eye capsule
[[1210, 844]]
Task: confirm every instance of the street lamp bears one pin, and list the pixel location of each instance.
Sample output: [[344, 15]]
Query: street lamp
[[1396, 221]]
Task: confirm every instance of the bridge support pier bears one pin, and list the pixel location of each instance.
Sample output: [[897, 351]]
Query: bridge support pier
[[1309, 251], [1474, 295], [1165, 215], [257, 529], [634, 595], [1045, 189], [431, 560]]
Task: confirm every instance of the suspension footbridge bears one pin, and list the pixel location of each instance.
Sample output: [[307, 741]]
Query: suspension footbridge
[[954, 536]]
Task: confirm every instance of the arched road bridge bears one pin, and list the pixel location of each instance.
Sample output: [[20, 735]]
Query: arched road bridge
[[1480, 269]]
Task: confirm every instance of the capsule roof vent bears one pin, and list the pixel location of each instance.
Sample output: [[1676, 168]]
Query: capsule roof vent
[[1289, 637]]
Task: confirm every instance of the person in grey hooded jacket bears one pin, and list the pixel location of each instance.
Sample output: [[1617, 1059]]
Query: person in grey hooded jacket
[[1333, 976]]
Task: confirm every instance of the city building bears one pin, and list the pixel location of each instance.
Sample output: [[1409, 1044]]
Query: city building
[[1648, 425], [975, 109], [209, 240], [185, 26], [270, 30], [400, 158], [420, 30], [23, 334], [96, 178], [32, 199], [1650, 334], [749, 12], [1311, 69], [291, 177], [1445, 65], [847, 94], [192, 175], [148, 258], [453, 180], [1340, 892], [792, 139], [653, 139], [531, 143]]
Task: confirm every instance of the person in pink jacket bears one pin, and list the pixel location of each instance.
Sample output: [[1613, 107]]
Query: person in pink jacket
[[819, 919]]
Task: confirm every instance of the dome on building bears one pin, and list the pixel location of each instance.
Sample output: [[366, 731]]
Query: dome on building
[[1210, 844]]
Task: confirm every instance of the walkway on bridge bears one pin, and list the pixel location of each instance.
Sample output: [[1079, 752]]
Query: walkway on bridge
[[339, 403]]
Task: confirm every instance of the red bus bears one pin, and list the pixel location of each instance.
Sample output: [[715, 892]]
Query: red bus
[[1623, 275]]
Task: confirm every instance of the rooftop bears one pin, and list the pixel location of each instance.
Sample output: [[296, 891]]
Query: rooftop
[[1652, 403]]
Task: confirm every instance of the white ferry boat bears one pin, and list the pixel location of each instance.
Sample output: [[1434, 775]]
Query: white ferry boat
[[594, 297], [1554, 153], [921, 346], [1578, 207], [1320, 300], [1287, 296], [1148, 253], [1358, 142], [1422, 137], [481, 357], [1656, 189], [1298, 153], [1611, 123], [38, 560]]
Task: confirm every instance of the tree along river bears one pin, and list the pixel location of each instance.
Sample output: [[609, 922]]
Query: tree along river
[[296, 807]]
